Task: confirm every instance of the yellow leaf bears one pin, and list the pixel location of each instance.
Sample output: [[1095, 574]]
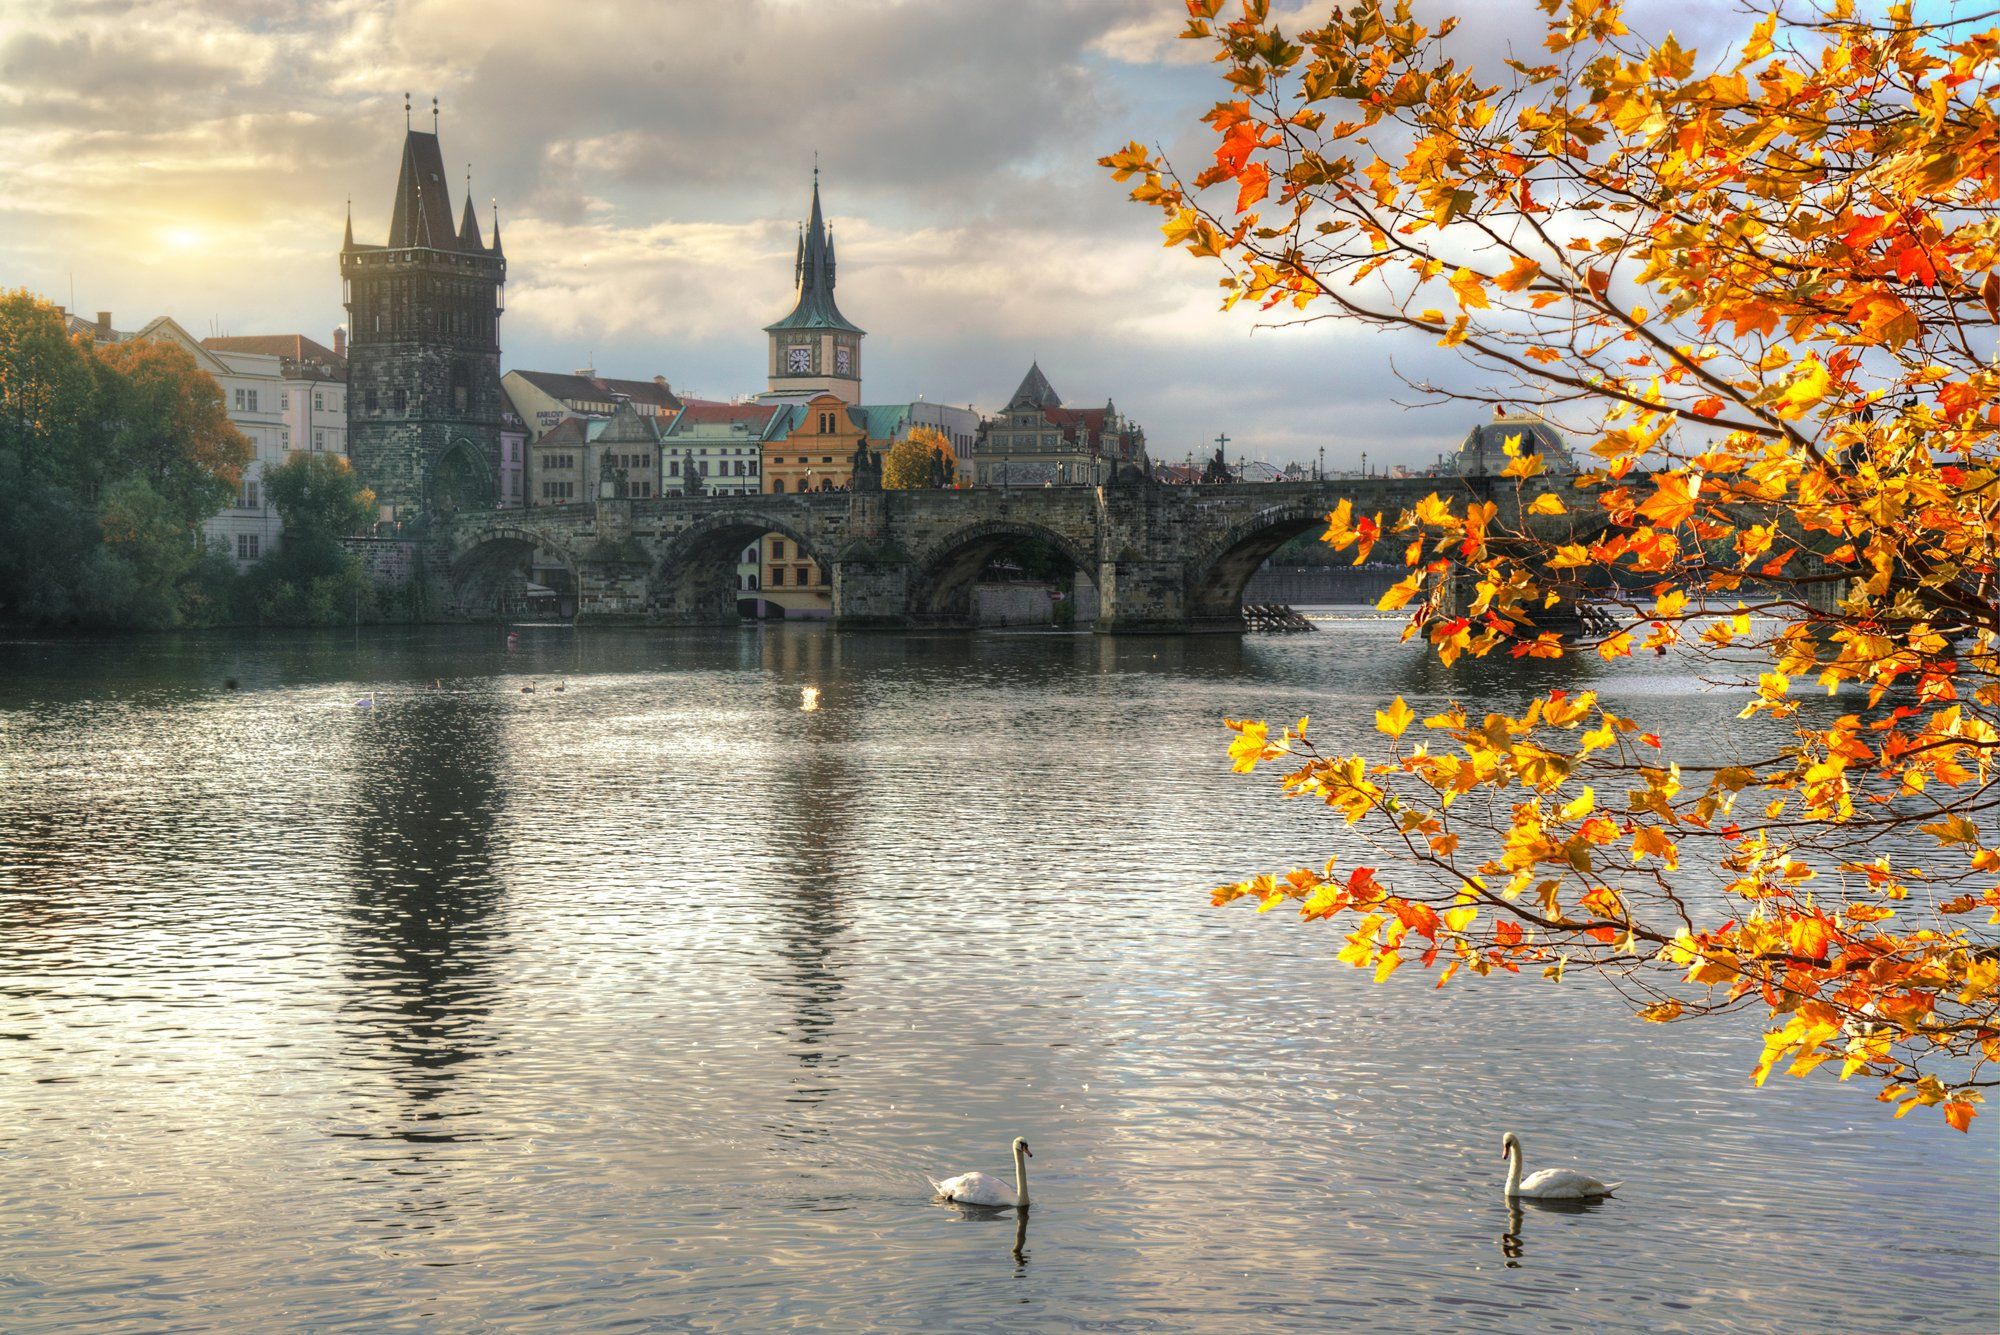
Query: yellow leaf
[[1548, 503], [1396, 719], [1520, 273], [1585, 803]]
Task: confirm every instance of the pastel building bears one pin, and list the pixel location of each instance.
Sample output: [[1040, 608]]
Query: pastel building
[[253, 387]]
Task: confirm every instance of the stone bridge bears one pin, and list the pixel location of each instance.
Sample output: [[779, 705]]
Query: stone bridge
[[1164, 559]]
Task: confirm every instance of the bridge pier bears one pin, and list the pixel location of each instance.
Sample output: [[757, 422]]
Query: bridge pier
[[1142, 598], [871, 593]]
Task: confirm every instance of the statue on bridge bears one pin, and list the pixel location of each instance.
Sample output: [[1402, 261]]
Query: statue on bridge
[[866, 469]]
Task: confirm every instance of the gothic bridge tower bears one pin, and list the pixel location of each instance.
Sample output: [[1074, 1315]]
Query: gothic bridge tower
[[423, 349], [815, 349]]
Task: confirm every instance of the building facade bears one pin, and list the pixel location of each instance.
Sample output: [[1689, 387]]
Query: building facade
[[314, 399], [1036, 441], [424, 314], [253, 384], [816, 453], [724, 443], [815, 349], [890, 422]]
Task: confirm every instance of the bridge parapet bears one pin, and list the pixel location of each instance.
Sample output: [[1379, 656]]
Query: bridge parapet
[[1164, 558]]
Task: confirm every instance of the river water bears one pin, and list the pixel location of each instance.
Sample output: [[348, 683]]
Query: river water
[[646, 999]]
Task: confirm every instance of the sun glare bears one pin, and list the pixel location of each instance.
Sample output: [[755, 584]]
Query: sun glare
[[181, 238]]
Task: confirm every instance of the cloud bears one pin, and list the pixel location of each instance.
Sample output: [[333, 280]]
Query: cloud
[[651, 159]]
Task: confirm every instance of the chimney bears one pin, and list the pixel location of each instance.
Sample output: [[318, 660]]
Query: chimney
[[340, 340], [104, 325], [587, 372]]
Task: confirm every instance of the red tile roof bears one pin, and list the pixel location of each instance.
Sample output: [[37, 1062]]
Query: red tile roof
[[598, 389], [302, 352]]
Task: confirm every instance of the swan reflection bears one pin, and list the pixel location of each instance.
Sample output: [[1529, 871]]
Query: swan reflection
[[1511, 1246]]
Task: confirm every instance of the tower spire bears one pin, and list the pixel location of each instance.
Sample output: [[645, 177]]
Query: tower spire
[[434, 114], [496, 226], [347, 242], [406, 110]]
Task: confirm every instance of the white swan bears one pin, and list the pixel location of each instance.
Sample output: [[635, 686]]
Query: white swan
[[979, 1189], [1549, 1184]]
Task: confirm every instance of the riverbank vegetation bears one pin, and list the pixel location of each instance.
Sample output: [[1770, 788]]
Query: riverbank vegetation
[[111, 459], [1765, 282]]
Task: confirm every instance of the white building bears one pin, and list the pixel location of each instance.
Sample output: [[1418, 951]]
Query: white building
[[314, 399], [253, 390]]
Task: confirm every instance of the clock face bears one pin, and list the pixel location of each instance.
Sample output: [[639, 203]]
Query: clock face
[[798, 359], [842, 359]]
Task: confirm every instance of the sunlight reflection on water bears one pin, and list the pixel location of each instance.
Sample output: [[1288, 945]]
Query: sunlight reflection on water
[[652, 999]]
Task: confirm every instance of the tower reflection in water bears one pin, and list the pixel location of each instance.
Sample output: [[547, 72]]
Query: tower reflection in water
[[810, 919], [420, 941]]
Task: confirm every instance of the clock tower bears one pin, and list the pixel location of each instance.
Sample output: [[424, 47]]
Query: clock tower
[[815, 349]]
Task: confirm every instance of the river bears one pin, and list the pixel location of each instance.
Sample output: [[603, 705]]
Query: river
[[645, 999]]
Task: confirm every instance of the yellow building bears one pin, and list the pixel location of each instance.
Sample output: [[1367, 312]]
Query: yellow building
[[817, 454]]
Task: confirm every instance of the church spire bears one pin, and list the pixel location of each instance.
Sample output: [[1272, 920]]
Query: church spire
[[347, 242], [496, 227], [813, 272]]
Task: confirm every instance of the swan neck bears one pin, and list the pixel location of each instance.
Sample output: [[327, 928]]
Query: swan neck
[[1514, 1171], [1020, 1178]]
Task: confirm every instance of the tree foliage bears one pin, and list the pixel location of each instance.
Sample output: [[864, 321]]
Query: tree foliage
[[109, 462], [1766, 281], [918, 460], [312, 579]]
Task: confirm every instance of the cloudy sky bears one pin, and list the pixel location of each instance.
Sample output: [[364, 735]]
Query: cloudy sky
[[652, 159]]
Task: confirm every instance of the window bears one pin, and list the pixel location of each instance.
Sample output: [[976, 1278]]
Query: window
[[753, 468], [777, 576], [246, 546], [253, 400], [750, 581], [239, 400], [319, 402], [801, 577], [370, 400], [673, 468], [777, 485], [319, 438], [398, 401], [777, 549], [284, 403], [285, 439], [704, 468], [246, 498]]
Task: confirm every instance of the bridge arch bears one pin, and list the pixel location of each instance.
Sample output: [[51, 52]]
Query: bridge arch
[[1216, 577], [695, 576], [943, 575], [490, 569]]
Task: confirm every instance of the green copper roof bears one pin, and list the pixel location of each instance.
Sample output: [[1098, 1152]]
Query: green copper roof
[[881, 421], [814, 273]]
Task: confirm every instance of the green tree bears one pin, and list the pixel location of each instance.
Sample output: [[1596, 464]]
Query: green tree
[[312, 579], [48, 392], [109, 462]]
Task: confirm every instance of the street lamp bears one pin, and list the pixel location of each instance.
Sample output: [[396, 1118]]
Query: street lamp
[[1364, 463], [1319, 470]]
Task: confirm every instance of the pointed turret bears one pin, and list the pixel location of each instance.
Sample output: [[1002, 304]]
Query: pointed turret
[[468, 227], [347, 242], [1035, 391], [496, 227], [423, 199]]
